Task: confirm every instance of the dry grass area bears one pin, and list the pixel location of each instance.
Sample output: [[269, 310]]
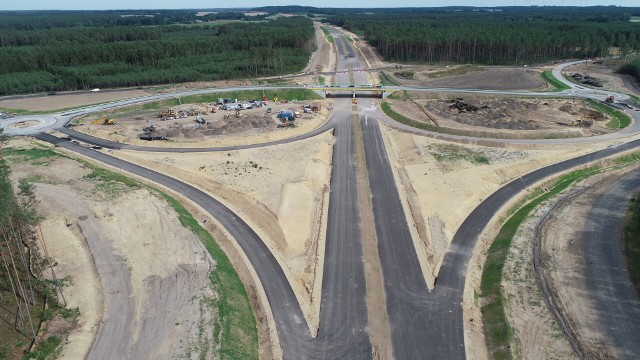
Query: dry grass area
[[442, 182], [89, 222], [253, 126], [281, 191], [499, 117]]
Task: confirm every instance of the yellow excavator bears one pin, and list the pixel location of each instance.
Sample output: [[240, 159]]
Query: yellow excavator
[[104, 121]]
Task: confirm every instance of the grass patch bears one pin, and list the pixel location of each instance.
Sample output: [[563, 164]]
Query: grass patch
[[47, 350], [36, 156], [631, 241], [452, 153], [349, 39], [321, 80], [619, 120], [400, 95], [327, 34], [497, 328], [556, 84], [405, 74], [386, 80]]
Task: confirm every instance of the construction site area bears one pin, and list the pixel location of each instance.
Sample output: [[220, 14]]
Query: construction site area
[[506, 116], [213, 123]]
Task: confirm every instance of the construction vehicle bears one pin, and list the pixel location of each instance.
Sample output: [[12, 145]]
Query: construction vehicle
[[150, 128], [168, 115], [609, 99], [200, 120], [286, 115], [109, 122]]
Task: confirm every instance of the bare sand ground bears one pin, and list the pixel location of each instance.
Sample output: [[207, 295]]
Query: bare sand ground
[[499, 117], [128, 128], [281, 191], [140, 228], [68, 100], [441, 183]]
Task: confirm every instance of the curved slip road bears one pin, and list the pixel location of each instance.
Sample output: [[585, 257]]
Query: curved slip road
[[607, 277]]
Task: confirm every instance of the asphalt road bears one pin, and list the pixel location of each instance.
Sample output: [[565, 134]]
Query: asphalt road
[[423, 324], [608, 282]]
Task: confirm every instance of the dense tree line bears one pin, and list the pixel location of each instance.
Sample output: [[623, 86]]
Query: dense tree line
[[35, 20], [631, 68], [495, 37], [71, 58], [21, 265]]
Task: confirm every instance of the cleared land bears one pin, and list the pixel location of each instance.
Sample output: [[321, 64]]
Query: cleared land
[[222, 128], [507, 117], [151, 308], [281, 191], [442, 182], [470, 77]]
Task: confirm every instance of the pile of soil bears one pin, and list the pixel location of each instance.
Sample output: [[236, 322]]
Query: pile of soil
[[586, 80], [232, 125], [513, 114]]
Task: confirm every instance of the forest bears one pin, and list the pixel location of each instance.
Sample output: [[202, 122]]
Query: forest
[[61, 51], [497, 37]]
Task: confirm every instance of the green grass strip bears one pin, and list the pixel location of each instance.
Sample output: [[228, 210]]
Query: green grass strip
[[327, 34], [557, 85], [619, 120], [497, 330]]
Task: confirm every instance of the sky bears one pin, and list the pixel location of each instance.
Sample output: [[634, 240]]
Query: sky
[[187, 4]]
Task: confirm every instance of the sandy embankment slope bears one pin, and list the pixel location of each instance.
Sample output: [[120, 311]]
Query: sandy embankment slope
[[137, 243], [281, 191]]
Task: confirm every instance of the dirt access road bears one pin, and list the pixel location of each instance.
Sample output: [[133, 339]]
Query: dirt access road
[[131, 305], [583, 258]]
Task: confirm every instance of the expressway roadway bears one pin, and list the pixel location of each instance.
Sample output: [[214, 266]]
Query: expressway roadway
[[608, 283], [423, 324]]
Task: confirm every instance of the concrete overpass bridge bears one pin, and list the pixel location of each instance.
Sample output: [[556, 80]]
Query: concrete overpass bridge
[[352, 92]]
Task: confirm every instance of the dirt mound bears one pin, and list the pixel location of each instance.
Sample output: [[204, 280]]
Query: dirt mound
[[228, 126], [514, 114]]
